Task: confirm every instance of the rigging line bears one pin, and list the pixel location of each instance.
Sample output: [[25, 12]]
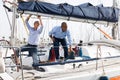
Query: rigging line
[[7, 17], [105, 34], [44, 33], [94, 34], [100, 53], [24, 24], [89, 33], [48, 28], [108, 29]]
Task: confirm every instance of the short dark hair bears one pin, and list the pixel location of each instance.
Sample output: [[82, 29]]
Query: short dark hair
[[63, 23]]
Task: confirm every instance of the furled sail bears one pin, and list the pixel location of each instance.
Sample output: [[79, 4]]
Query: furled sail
[[83, 11]]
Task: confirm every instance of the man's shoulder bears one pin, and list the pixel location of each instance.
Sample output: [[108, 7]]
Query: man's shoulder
[[56, 27]]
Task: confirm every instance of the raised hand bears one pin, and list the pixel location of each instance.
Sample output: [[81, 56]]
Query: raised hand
[[39, 16]]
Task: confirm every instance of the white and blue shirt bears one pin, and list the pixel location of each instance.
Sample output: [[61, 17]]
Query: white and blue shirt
[[33, 38], [58, 33]]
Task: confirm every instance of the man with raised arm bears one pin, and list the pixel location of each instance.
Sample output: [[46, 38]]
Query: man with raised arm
[[33, 40]]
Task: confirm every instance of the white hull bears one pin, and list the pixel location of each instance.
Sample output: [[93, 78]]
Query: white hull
[[66, 72], [87, 70]]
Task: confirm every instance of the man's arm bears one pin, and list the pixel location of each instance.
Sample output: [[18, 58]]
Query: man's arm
[[52, 38], [51, 34], [40, 24], [69, 40], [40, 20], [27, 19]]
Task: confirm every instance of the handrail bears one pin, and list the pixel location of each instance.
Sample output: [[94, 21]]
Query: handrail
[[73, 61]]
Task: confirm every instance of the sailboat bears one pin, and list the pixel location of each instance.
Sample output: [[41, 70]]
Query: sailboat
[[103, 62]]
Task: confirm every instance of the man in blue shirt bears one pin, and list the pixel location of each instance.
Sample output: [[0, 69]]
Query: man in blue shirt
[[58, 35], [33, 40]]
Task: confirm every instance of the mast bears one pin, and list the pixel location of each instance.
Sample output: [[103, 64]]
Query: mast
[[115, 30], [14, 28], [118, 6]]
